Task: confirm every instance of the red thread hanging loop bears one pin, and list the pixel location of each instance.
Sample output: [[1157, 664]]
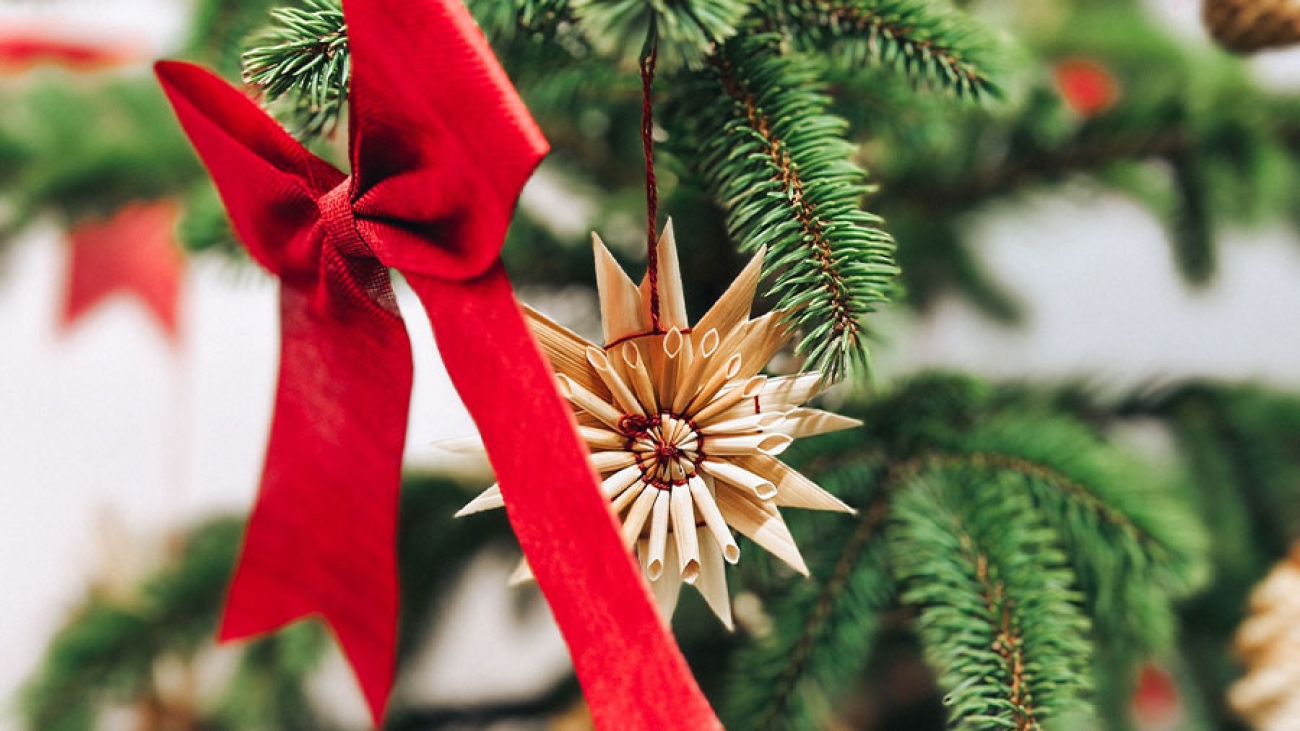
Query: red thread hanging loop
[[649, 55]]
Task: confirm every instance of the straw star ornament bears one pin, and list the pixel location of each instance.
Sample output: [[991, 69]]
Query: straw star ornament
[[682, 426]]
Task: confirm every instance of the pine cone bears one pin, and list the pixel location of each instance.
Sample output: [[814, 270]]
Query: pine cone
[[1246, 26], [1269, 643]]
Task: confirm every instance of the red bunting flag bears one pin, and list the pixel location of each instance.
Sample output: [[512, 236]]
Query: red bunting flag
[[1157, 704], [133, 253], [1086, 86], [22, 51], [440, 147]]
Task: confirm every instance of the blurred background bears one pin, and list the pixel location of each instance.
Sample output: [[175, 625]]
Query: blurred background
[[135, 397]]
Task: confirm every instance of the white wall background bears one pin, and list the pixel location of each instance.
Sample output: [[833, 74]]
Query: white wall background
[[110, 419]]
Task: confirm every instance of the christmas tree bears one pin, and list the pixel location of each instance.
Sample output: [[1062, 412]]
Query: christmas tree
[[985, 554]]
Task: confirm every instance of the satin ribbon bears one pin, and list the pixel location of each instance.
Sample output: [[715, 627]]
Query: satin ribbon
[[440, 147]]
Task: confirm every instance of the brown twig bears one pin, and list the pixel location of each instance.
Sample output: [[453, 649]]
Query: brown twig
[[844, 317]]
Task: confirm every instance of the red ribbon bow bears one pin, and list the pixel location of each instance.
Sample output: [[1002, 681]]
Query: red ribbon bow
[[440, 147]]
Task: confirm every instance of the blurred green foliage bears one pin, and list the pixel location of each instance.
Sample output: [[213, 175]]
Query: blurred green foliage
[[1005, 534]]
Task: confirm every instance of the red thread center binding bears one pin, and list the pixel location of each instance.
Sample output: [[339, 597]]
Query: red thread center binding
[[675, 447], [341, 222], [636, 425]]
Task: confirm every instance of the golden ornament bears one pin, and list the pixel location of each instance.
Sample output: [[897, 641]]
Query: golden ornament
[[1269, 644], [682, 426], [1246, 26]]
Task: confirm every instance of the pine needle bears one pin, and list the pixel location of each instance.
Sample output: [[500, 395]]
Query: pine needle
[[688, 29], [998, 616], [777, 160], [303, 59], [929, 44]]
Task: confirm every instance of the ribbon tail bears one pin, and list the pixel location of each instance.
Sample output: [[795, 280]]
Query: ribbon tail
[[322, 539], [620, 645]]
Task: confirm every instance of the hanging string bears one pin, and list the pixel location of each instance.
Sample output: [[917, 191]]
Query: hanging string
[[650, 54]]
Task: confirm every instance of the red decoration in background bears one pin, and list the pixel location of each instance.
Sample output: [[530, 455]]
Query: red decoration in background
[[22, 51], [440, 147], [1157, 704], [133, 253], [1087, 87]]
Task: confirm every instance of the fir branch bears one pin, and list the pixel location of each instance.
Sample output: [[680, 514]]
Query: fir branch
[[80, 152], [823, 630], [429, 535], [504, 21], [687, 29], [1087, 502], [1126, 544], [204, 225], [777, 161], [1191, 227], [84, 656], [1201, 178], [109, 649], [1133, 543], [557, 93], [997, 613], [303, 58], [932, 46], [270, 682], [1241, 441], [942, 263], [108, 652], [533, 39], [1087, 154], [220, 28], [548, 710], [1241, 447], [1102, 502]]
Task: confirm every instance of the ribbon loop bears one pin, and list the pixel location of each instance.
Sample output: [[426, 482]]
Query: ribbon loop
[[440, 141], [415, 225], [268, 181]]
